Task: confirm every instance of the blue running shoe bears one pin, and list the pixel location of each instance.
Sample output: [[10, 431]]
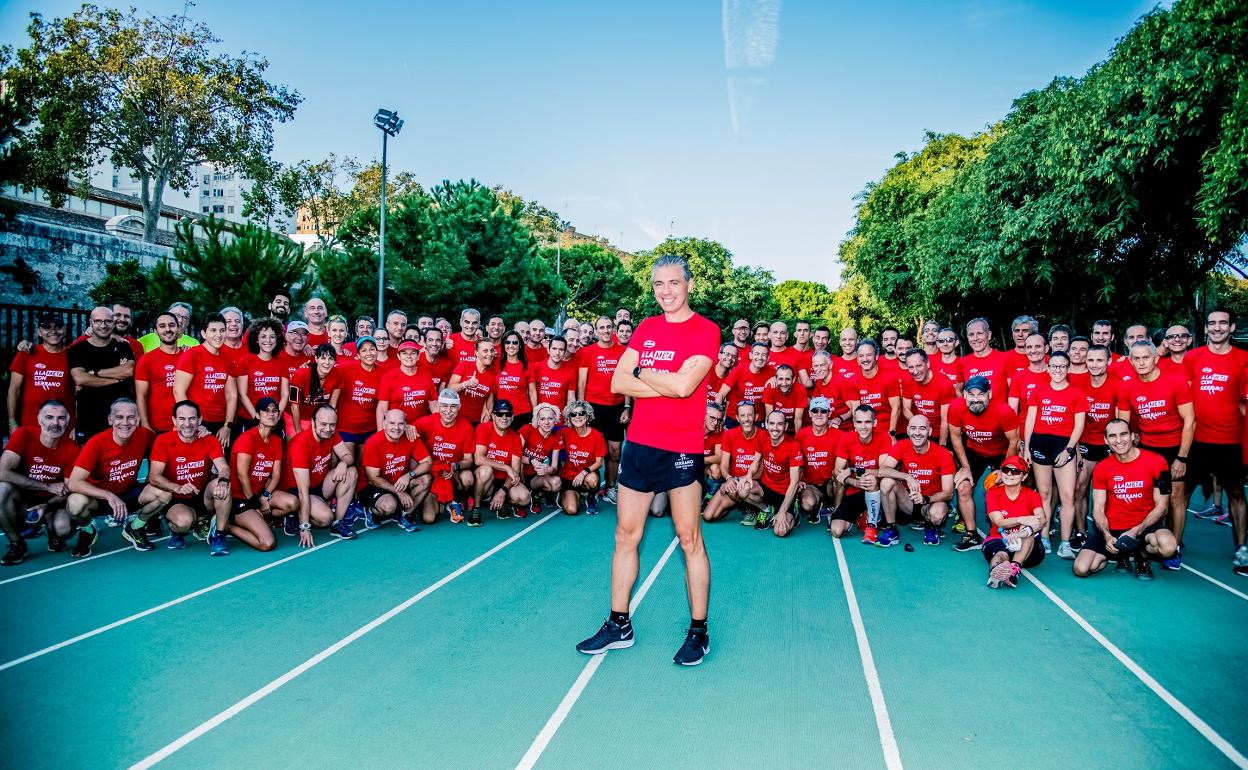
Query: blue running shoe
[[455, 511], [1174, 562], [887, 538], [612, 636], [697, 645], [177, 541], [931, 536], [591, 505], [369, 521], [342, 530], [217, 545], [407, 523], [354, 512]]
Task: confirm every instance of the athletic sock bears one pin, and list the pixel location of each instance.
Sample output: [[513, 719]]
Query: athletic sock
[[137, 523], [697, 625], [89, 527], [619, 618]]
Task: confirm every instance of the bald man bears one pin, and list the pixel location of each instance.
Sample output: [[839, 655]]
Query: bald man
[[102, 368], [917, 479]]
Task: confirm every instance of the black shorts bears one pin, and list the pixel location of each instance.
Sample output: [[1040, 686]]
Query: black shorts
[[850, 508], [1096, 541], [1093, 453], [195, 503], [313, 491], [647, 469], [131, 498], [1046, 448], [355, 438], [771, 497], [979, 464], [607, 421], [996, 545], [248, 504], [1223, 462], [1168, 453], [369, 495]]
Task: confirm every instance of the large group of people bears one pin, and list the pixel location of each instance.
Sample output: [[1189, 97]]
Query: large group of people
[[214, 428]]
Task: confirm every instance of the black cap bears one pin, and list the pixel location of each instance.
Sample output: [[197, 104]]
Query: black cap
[[47, 320], [266, 403], [503, 406]]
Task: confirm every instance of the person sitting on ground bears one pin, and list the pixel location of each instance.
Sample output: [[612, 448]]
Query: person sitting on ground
[[1017, 515]]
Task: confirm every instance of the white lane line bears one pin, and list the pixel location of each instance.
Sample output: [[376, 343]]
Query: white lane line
[[320, 657], [160, 607], [1216, 582], [888, 741], [1211, 735], [73, 561], [574, 693]]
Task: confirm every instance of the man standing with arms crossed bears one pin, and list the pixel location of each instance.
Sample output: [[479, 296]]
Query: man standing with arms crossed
[[663, 371]]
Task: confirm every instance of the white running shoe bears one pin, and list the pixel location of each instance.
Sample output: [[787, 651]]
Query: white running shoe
[[1064, 551]]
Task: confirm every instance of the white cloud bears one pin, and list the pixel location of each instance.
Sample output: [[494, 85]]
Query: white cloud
[[751, 32]]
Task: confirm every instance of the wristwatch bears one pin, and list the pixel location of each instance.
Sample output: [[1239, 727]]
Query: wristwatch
[[266, 494], [637, 372], [305, 527]]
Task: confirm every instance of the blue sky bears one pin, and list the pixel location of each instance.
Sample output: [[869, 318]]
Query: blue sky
[[752, 122]]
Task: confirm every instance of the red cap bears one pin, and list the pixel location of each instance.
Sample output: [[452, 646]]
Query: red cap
[[409, 345], [1015, 462]]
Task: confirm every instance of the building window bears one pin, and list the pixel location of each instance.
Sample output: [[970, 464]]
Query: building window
[[207, 209], [207, 179], [229, 209], [218, 193], [116, 181], [206, 192]]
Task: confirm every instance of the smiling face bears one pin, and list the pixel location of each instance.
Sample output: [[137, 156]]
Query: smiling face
[[671, 289]]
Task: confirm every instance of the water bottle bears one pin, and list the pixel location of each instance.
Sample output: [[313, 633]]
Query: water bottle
[[873, 507]]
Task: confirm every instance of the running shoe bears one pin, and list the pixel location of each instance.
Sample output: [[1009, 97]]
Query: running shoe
[[1002, 573], [612, 496], [354, 511], [1064, 551], [918, 525], [56, 543], [456, 512], [888, 537], [217, 545], [1240, 563], [1224, 520], [342, 530], [825, 514], [503, 512], [17, 553], [931, 536], [959, 527], [371, 523], [763, 517], [290, 525], [1046, 544], [86, 539], [870, 535], [153, 527], [697, 645], [201, 528], [591, 505], [407, 523], [862, 523], [969, 542], [747, 518], [520, 511], [1211, 512], [535, 506], [1144, 567], [177, 541], [1173, 563], [1122, 563], [474, 517], [612, 636], [812, 517], [1077, 541]]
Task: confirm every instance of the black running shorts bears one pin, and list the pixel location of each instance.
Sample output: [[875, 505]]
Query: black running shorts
[[607, 421], [647, 469], [1223, 462]]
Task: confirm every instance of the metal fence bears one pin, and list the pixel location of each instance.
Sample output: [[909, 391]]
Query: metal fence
[[20, 322]]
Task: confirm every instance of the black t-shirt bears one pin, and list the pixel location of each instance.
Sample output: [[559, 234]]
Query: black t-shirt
[[93, 402]]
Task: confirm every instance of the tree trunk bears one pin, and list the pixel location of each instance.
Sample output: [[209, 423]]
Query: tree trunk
[[152, 192]]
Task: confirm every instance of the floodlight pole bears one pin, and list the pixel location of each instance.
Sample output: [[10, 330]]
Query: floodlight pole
[[381, 267]]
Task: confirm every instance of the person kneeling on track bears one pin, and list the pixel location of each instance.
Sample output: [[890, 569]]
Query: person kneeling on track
[[183, 463], [257, 471], [782, 471], [1017, 516], [318, 469], [452, 442], [32, 480], [584, 453], [397, 474], [1130, 498], [740, 463], [498, 474], [541, 457], [818, 442], [917, 478], [857, 468]]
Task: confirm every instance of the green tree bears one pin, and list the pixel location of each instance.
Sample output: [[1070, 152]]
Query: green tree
[[147, 292], [597, 281], [150, 94], [804, 301], [721, 291], [244, 270]]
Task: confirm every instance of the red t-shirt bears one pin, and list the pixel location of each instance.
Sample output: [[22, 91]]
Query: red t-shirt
[[1156, 406], [858, 454], [741, 449], [186, 462], [580, 452], [875, 392], [554, 385], [38, 462], [951, 371], [785, 356], [844, 368], [1102, 405], [599, 364], [1056, 409], [448, 445], [46, 378], [390, 458], [778, 461], [439, 370], [996, 500], [673, 424], [412, 393], [302, 381], [713, 382], [535, 355], [984, 434], [316, 339], [472, 400], [265, 455], [1128, 487], [1169, 366], [1217, 384], [209, 373], [158, 369], [261, 378], [357, 406], [234, 355], [111, 466], [832, 391], [819, 454], [787, 403], [293, 362], [306, 452], [539, 448], [1017, 361], [513, 385], [804, 359], [745, 384], [1023, 383], [995, 366], [499, 449], [710, 446], [928, 399], [927, 467], [462, 350]]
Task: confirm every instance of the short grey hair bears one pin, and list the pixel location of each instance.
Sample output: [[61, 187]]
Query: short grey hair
[[672, 259], [184, 305], [469, 312], [1026, 319]]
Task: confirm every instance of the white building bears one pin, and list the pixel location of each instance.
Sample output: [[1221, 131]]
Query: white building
[[212, 191]]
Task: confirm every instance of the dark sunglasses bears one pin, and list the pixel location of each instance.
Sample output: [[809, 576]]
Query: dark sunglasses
[[1011, 472], [578, 414], [820, 411]]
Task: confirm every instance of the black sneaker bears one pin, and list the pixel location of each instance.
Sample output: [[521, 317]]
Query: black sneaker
[[474, 517], [1123, 563], [1143, 567], [612, 636], [18, 550], [290, 525], [153, 527], [969, 541], [697, 645], [56, 543], [813, 517], [86, 539], [137, 537], [1078, 541]]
